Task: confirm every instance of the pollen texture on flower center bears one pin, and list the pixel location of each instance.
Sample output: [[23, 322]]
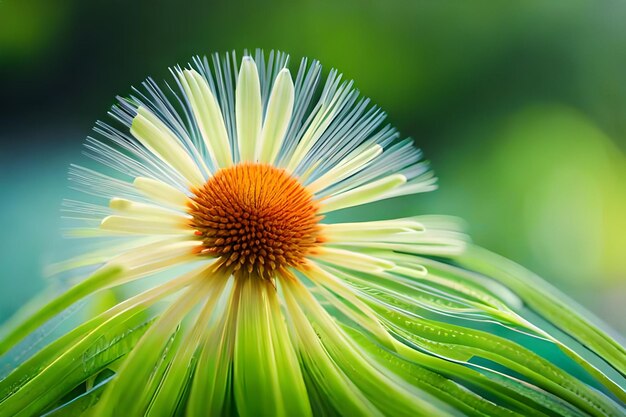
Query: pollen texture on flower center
[[256, 218]]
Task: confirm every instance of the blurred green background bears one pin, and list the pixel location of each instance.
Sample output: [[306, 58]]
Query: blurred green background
[[520, 106]]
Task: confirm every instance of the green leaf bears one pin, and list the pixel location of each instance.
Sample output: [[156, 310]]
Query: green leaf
[[35, 314], [105, 344], [144, 363], [462, 344], [385, 391], [78, 406], [173, 386], [543, 298], [445, 389]]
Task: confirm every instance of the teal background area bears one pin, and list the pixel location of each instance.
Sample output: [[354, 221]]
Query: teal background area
[[520, 106]]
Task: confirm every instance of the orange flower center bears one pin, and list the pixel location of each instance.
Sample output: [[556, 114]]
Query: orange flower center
[[256, 218]]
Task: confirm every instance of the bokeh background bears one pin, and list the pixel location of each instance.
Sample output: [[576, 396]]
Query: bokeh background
[[520, 106]]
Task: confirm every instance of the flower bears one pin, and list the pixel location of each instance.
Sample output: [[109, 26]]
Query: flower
[[249, 299]]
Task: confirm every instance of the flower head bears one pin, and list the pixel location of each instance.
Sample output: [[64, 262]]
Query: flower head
[[252, 302], [257, 219]]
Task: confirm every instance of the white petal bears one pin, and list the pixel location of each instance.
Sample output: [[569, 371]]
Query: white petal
[[369, 231], [417, 185], [348, 166], [142, 226], [163, 254], [100, 255], [421, 235], [305, 175], [439, 246], [277, 118], [323, 118], [353, 260], [161, 141], [208, 116], [248, 109], [431, 235], [161, 192], [363, 194], [149, 211]]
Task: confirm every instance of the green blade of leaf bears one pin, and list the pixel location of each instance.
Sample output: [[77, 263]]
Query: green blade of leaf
[[447, 390], [462, 344], [35, 314], [108, 342], [125, 395], [77, 407], [540, 296]]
